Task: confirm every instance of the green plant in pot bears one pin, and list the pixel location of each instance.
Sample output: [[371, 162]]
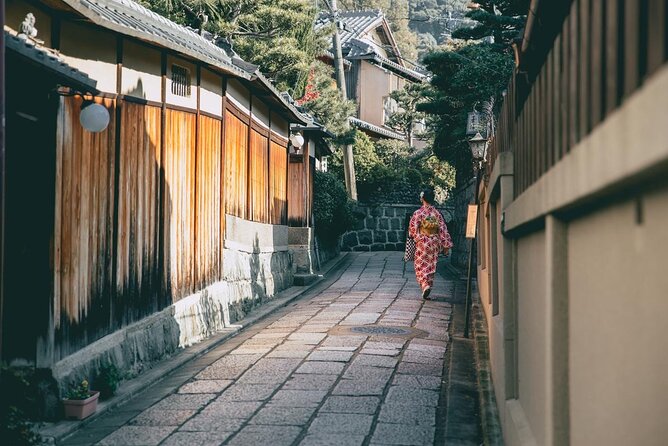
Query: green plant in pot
[[107, 380], [81, 402]]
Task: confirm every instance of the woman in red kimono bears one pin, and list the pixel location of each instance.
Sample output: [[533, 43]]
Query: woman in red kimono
[[428, 229]]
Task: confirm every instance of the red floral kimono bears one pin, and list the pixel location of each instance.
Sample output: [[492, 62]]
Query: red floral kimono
[[427, 247]]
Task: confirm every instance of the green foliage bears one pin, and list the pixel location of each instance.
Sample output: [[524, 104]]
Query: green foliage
[[107, 380], [79, 392], [17, 399], [501, 19], [393, 171], [323, 100], [331, 208], [276, 35], [434, 20], [407, 100], [462, 78]]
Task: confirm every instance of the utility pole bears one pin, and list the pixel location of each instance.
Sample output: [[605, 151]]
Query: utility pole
[[348, 164]]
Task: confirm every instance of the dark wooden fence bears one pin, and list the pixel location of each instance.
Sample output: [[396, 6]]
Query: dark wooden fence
[[582, 62]]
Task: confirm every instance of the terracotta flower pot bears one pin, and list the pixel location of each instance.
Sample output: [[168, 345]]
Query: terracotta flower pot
[[80, 409]]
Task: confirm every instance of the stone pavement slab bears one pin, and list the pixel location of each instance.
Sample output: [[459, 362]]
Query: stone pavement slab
[[299, 377]]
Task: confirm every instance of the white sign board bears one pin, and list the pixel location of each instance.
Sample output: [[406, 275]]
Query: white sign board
[[471, 221]]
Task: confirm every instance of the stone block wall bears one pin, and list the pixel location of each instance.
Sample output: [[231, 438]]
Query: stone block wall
[[460, 199], [382, 227]]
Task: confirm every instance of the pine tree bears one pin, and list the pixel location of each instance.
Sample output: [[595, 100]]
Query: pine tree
[[500, 19], [276, 35]]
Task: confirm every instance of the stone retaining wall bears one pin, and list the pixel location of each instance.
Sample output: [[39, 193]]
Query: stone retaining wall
[[383, 227]]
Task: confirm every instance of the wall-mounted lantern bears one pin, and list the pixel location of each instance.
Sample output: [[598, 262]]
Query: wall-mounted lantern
[[94, 117], [296, 141]]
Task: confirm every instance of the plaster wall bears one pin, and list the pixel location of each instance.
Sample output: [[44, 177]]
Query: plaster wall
[[617, 339], [239, 95], [141, 75], [279, 125], [189, 101], [260, 113], [376, 82], [210, 96], [92, 51], [532, 334]]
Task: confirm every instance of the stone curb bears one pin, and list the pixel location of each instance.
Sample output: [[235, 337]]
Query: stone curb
[[489, 412], [56, 432]]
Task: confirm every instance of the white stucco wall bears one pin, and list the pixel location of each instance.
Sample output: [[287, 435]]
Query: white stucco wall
[[211, 97], [92, 51], [141, 76]]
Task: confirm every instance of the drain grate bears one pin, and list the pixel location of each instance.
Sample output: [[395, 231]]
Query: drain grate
[[381, 330]]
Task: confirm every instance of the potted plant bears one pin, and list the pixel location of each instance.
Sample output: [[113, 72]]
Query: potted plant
[[81, 402], [107, 380]]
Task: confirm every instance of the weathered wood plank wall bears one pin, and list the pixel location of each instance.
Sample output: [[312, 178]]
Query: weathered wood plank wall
[[179, 212], [297, 194], [236, 165], [83, 238], [138, 287], [259, 176], [208, 235], [140, 208], [278, 203]]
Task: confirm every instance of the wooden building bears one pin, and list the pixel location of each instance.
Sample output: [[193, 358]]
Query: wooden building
[[158, 231], [374, 69], [572, 228]]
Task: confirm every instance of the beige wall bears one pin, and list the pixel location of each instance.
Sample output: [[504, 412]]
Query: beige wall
[[589, 288], [141, 75], [279, 125], [374, 85], [531, 309], [92, 51], [618, 343], [174, 99], [211, 98], [260, 112], [238, 95]]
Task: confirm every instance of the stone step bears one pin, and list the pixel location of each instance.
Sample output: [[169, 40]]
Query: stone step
[[304, 279]]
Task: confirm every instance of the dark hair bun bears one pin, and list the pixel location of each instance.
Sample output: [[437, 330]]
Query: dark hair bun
[[428, 195]]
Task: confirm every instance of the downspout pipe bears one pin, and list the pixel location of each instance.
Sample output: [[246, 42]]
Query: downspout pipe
[[531, 18]]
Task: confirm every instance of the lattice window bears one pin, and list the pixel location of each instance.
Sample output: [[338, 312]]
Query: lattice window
[[180, 81]]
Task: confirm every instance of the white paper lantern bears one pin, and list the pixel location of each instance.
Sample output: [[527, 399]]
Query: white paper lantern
[[94, 117]]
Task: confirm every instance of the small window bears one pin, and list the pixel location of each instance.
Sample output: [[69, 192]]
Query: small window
[[180, 81]]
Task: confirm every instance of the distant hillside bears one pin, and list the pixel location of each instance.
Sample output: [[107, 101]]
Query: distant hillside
[[434, 20]]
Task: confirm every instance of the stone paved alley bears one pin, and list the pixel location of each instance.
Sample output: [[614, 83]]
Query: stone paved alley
[[308, 374]]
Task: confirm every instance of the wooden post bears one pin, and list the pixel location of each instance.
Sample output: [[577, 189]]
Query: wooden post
[[348, 164]]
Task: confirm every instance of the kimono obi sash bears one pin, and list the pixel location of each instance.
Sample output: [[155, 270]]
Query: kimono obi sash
[[429, 226]]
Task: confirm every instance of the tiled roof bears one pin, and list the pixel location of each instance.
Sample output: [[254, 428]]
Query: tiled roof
[[355, 23], [49, 60], [132, 19], [382, 131]]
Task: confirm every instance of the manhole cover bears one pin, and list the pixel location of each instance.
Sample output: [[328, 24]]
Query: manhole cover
[[377, 331], [381, 330]]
